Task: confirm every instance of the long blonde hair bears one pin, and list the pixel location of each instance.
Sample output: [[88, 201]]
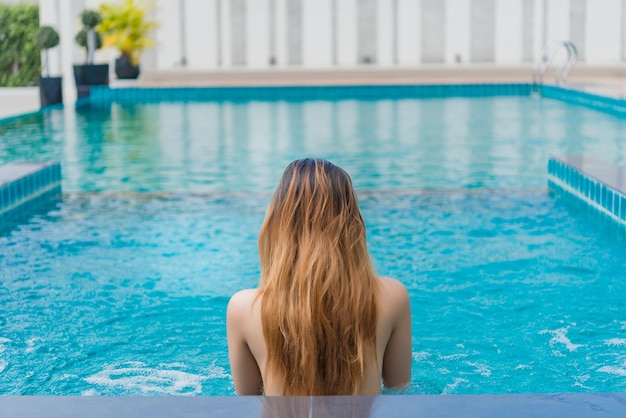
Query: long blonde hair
[[318, 288]]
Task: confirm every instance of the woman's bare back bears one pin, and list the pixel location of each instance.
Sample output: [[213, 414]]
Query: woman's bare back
[[390, 366]]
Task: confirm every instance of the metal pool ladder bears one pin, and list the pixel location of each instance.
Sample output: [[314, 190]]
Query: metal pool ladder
[[548, 54]]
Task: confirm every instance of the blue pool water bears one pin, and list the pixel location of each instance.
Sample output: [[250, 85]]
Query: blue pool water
[[121, 287], [498, 142]]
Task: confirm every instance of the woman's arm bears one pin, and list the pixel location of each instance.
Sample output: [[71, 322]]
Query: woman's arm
[[397, 360], [246, 374]]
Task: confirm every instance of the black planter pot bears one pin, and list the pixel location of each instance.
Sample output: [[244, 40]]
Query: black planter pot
[[91, 74], [124, 69], [88, 75], [50, 90]]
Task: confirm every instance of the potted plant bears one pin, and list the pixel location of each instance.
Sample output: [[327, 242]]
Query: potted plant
[[50, 88], [90, 74], [126, 26]]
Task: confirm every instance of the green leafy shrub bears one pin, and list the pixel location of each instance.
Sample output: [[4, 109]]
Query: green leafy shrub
[[88, 37], [20, 59], [126, 25], [47, 37], [81, 38], [90, 18]]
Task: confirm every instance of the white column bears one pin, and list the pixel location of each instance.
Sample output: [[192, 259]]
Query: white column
[[346, 32], [225, 27], [316, 34], [409, 41], [538, 36], [603, 32], [508, 42], [168, 35], [385, 32], [457, 31], [200, 34], [258, 33], [558, 20], [280, 22]]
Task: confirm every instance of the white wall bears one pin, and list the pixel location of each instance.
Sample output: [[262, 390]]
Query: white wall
[[198, 34]]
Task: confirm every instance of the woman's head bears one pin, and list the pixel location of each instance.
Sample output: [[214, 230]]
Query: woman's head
[[314, 201], [317, 282]]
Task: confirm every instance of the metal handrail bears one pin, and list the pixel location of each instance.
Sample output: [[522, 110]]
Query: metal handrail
[[548, 54]]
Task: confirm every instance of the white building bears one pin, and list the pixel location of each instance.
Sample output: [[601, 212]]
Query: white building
[[210, 35]]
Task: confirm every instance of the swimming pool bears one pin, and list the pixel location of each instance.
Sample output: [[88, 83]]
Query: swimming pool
[[122, 288]]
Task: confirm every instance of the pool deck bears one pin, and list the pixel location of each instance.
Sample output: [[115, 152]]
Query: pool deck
[[15, 101], [606, 81]]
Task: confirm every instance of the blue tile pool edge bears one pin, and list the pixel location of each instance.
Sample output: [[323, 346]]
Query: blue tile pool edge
[[26, 188], [597, 184], [615, 106], [102, 95]]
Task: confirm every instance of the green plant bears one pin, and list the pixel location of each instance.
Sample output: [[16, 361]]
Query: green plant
[[47, 37], [126, 26], [90, 18], [88, 37], [20, 59]]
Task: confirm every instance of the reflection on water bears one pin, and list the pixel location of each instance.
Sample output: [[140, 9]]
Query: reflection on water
[[497, 142]]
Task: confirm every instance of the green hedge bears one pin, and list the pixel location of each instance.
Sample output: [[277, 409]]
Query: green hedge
[[20, 59]]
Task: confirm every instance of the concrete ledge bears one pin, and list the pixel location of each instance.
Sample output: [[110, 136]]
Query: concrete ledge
[[595, 183], [574, 405]]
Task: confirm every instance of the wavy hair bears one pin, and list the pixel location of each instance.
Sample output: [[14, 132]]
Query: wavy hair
[[318, 288]]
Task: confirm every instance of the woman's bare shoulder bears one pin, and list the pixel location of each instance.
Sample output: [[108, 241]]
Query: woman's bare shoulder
[[394, 296], [244, 296], [392, 288], [241, 303]]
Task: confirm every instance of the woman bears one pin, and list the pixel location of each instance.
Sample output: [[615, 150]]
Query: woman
[[321, 321]]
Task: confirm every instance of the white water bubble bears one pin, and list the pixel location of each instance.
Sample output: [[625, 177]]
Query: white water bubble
[[31, 344], [480, 368], [420, 356], [559, 336], [3, 341], [615, 342], [452, 357], [451, 387], [136, 377], [613, 370]]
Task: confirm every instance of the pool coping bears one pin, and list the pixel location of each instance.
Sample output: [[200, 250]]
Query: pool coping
[[591, 181], [573, 405]]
